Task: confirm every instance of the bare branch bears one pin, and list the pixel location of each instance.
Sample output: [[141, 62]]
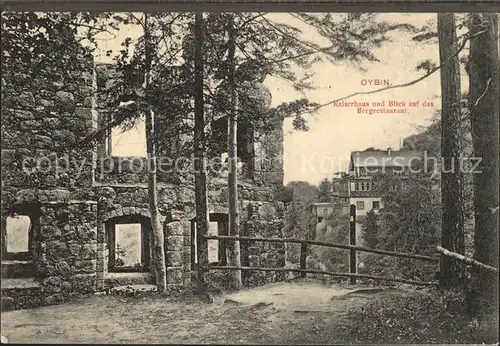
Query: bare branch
[[307, 44], [484, 93], [465, 117], [250, 20], [467, 37], [466, 260], [321, 50]]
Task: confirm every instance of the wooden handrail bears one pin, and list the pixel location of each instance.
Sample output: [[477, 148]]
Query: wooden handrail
[[349, 275], [464, 259], [320, 243]]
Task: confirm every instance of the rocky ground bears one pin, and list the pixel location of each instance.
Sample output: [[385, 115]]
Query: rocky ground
[[285, 313]]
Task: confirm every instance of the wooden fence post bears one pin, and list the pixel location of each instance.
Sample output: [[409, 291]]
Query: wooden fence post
[[303, 257], [202, 257], [352, 241]]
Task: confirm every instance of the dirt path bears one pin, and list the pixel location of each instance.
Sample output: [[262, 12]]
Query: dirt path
[[286, 313]]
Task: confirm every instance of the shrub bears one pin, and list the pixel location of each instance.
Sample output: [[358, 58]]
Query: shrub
[[333, 229], [434, 317], [370, 229]]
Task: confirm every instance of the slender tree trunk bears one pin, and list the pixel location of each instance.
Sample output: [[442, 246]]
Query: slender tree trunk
[[200, 177], [233, 246], [483, 71], [452, 188], [158, 236]]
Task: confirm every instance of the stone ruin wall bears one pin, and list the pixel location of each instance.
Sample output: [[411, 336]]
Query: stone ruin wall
[[40, 121], [69, 248], [260, 213]]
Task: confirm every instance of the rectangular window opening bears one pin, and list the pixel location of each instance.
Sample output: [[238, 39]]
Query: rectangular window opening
[[360, 205], [213, 244], [17, 233], [218, 225], [128, 142], [128, 245]]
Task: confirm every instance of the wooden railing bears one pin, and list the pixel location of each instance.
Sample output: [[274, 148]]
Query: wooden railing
[[352, 247], [311, 271], [304, 244], [469, 261], [303, 255]]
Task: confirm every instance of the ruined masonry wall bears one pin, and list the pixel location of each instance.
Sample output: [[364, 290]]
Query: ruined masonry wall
[[42, 121], [177, 209], [70, 253]]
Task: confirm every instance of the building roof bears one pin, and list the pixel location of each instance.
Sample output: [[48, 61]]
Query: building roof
[[383, 158]]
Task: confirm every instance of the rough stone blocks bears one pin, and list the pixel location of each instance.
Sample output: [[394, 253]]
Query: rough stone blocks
[[175, 276]]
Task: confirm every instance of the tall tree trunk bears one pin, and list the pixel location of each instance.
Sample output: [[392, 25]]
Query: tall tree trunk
[[232, 142], [200, 177], [158, 236], [483, 71], [452, 188]]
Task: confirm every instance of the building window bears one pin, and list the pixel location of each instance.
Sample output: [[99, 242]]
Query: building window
[[213, 245], [129, 244], [17, 236], [128, 142], [360, 205], [18, 233], [218, 225], [357, 187], [123, 142], [244, 151], [376, 205], [218, 145], [245, 145], [325, 212], [320, 219], [219, 135]]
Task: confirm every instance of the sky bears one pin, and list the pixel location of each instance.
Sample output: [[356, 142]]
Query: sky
[[334, 132]]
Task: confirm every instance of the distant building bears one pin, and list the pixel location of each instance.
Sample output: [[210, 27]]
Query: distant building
[[356, 186], [321, 210]]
